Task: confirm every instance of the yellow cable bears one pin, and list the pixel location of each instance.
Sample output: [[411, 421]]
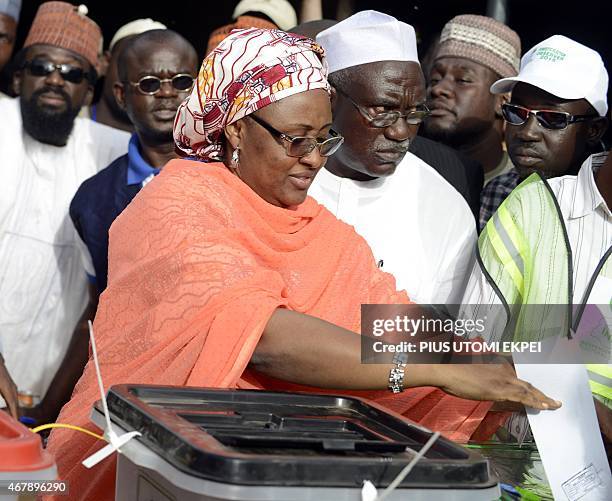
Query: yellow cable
[[68, 426]]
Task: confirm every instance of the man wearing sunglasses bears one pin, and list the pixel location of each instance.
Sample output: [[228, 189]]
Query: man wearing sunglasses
[[545, 255], [46, 152], [156, 72], [107, 111], [555, 117], [419, 227]]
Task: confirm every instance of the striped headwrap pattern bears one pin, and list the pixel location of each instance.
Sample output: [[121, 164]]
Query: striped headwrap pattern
[[249, 70], [482, 40]]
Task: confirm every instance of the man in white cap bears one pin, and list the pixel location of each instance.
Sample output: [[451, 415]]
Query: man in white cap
[[558, 75], [550, 243], [419, 227], [462, 173], [9, 17], [107, 111]]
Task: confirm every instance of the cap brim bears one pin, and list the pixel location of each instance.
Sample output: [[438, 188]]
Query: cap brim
[[504, 85], [561, 89]]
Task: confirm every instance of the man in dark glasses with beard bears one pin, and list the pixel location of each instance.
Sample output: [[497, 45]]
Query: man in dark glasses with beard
[[45, 153], [555, 117]]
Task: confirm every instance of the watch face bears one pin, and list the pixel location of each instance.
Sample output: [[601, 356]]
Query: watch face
[[396, 379]]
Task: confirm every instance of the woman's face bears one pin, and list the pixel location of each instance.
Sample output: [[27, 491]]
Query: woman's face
[[264, 164]]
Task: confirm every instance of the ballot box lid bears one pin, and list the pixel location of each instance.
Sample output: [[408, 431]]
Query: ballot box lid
[[253, 437]]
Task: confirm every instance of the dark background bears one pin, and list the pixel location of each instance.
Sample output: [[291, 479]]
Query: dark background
[[585, 21]]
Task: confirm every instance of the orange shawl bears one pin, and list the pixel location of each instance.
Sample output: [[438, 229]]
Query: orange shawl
[[198, 263]]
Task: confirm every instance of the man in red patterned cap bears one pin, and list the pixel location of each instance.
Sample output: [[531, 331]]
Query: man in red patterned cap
[[45, 153]]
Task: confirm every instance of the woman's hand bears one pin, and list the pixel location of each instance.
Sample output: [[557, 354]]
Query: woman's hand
[[307, 350], [8, 390], [494, 382]]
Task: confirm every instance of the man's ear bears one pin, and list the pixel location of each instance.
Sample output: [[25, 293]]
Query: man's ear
[[333, 99], [595, 130], [499, 100], [16, 82], [89, 96], [119, 93]]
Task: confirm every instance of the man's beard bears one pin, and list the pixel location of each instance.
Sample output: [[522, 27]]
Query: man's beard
[[46, 124]]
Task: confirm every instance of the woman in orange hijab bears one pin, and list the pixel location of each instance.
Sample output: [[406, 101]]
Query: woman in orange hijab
[[225, 274]]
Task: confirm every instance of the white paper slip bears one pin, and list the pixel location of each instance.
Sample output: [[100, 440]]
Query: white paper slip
[[568, 438], [601, 293]]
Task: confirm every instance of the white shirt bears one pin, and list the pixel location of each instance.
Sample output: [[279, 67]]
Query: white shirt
[[419, 227], [43, 288], [589, 228], [588, 221]]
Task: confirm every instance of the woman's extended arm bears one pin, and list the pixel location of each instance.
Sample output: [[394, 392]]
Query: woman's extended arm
[[306, 350]]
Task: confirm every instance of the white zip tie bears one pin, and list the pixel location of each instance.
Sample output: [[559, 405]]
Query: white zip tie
[[115, 441], [369, 492]]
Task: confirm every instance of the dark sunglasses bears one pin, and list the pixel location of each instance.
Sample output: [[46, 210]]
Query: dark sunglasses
[[150, 84], [554, 120], [42, 68], [388, 118], [300, 146]]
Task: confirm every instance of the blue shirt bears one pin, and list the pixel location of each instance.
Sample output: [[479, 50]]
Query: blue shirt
[[101, 198], [138, 170]]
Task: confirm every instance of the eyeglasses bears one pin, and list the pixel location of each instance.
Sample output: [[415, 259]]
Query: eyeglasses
[[388, 118], [301, 146], [42, 68], [150, 84], [554, 120]]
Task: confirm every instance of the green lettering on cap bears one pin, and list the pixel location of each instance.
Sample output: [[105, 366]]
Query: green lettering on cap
[[549, 54]]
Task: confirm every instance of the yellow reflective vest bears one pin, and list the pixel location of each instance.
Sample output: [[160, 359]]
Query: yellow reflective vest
[[525, 254]]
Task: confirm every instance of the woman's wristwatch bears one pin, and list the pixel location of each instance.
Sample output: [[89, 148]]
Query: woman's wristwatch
[[396, 375]]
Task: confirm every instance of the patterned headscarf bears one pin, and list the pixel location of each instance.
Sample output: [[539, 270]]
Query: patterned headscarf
[[249, 70]]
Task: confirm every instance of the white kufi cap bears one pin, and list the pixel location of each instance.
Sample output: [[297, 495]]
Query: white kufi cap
[[368, 37], [281, 12], [135, 27]]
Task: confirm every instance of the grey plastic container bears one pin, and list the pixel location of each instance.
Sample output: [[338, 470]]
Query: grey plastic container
[[178, 458]]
